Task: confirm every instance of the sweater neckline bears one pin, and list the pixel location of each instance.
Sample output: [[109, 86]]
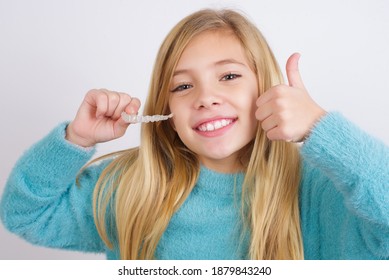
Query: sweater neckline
[[220, 183]]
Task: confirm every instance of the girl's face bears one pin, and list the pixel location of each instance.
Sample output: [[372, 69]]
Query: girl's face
[[212, 96]]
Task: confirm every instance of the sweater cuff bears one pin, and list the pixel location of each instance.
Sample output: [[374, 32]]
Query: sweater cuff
[[54, 158], [339, 147]]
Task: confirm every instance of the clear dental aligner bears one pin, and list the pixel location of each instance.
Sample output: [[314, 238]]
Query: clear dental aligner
[[145, 119]]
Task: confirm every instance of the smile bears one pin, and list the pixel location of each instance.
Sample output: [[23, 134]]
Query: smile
[[214, 125]]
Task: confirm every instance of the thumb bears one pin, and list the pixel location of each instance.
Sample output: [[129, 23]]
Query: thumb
[[293, 73]]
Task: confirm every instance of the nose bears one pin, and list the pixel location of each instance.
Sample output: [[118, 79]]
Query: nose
[[207, 97]]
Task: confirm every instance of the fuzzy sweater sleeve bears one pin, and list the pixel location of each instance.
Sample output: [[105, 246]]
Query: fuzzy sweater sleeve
[[41, 202], [353, 167]]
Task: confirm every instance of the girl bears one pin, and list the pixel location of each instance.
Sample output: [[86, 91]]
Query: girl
[[222, 179]]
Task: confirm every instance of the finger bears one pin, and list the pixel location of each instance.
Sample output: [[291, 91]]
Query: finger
[[263, 112], [269, 123], [281, 132], [293, 73], [264, 98], [113, 103], [101, 102], [124, 101], [274, 134], [133, 107], [113, 99], [272, 94]]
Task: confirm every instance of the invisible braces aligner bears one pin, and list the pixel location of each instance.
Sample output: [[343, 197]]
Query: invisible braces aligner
[[145, 119]]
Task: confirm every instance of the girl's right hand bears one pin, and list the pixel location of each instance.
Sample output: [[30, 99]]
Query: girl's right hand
[[99, 117]]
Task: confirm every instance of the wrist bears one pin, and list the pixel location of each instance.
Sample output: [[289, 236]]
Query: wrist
[[75, 139], [320, 114]]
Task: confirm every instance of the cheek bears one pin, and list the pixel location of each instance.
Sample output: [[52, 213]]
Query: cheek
[[178, 115], [247, 103], [179, 125], [173, 124], [248, 107], [173, 105], [253, 99]]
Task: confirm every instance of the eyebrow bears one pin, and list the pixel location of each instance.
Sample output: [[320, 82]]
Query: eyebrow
[[217, 63], [229, 61]]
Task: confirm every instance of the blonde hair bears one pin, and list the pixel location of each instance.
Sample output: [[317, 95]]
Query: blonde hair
[[140, 190]]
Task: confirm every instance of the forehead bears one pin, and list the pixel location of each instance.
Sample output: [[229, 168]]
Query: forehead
[[210, 47]]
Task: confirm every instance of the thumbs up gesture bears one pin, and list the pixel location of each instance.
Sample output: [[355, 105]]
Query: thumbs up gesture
[[287, 112]]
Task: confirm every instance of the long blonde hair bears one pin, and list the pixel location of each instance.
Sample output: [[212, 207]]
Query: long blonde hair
[[140, 190]]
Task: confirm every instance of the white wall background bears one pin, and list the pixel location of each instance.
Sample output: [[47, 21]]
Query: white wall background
[[52, 52]]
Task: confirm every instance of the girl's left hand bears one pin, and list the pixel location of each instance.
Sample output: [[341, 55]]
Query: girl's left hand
[[287, 112]]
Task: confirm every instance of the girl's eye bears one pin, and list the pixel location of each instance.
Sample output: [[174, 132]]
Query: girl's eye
[[230, 76], [182, 87]]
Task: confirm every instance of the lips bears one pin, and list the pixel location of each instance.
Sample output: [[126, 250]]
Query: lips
[[214, 124]]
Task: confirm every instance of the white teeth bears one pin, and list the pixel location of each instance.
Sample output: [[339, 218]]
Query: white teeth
[[218, 125], [211, 126]]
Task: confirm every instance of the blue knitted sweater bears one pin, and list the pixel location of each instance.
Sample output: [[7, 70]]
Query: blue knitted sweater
[[344, 200]]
